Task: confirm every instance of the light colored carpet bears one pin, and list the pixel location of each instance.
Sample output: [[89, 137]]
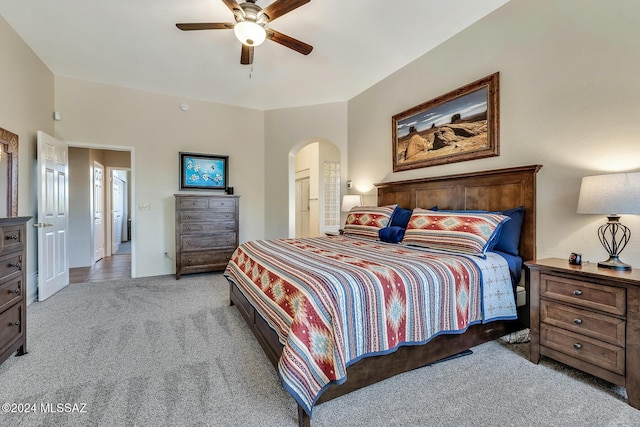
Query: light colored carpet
[[160, 352]]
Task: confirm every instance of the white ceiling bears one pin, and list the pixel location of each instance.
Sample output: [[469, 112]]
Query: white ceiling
[[134, 43]]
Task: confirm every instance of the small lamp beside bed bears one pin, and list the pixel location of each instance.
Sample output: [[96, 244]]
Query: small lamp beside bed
[[611, 195], [350, 201]]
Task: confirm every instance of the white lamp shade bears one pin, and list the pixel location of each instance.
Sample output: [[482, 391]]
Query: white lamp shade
[[350, 201], [610, 194], [249, 33]]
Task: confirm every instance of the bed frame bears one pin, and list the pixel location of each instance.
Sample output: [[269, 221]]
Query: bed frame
[[487, 190]]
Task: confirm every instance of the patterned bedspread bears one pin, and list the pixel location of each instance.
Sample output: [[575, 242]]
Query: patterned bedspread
[[335, 300]]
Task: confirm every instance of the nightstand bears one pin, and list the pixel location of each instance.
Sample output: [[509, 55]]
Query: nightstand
[[588, 318]]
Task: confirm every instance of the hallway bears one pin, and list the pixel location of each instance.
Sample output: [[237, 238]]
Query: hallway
[[117, 266]]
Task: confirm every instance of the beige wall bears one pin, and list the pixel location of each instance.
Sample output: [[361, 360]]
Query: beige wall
[[570, 100], [27, 100], [286, 132], [156, 130]]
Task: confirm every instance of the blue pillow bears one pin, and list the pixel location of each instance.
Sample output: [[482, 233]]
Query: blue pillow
[[508, 237], [510, 234], [401, 217], [391, 234]]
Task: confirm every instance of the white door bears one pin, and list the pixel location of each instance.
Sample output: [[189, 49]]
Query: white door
[[302, 207], [53, 218], [116, 216], [98, 212]]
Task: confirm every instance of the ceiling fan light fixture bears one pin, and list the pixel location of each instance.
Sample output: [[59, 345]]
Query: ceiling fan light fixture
[[249, 33]]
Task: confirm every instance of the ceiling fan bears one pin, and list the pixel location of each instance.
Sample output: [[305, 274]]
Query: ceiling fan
[[250, 24]]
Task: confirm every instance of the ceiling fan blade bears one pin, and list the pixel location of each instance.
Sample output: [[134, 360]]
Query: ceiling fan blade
[[280, 7], [289, 42], [206, 26], [231, 4], [246, 56]]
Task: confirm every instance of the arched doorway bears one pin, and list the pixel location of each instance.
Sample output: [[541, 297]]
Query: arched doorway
[[317, 177]]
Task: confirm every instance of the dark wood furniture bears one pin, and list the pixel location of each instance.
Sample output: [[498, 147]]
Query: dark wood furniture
[[13, 287], [491, 190], [588, 318], [206, 232]]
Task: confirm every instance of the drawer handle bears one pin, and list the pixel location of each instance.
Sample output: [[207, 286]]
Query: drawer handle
[[15, 291], [577, 321], [189, 261], [577, 292], [188, 216], [577, 346], [188, 228], [189, 243], [15, 265], [14, 237], [16, 323]]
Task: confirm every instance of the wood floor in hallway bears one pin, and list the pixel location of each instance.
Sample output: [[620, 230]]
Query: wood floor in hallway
[[108, 268]]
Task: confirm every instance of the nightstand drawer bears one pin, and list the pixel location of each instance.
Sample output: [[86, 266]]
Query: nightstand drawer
[[601, 297], [599, 326], [592, 351]]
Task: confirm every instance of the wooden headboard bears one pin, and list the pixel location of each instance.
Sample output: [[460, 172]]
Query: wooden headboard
[[492, 190]]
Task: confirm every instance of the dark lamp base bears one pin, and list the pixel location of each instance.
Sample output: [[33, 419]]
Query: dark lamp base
[[614, 263]]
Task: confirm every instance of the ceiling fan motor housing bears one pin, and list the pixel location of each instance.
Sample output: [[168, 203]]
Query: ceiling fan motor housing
[[249, 28]]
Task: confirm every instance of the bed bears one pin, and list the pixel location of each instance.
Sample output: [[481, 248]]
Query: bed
[[259, 278]]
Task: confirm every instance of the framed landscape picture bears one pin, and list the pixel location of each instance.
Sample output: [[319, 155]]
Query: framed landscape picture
[[203, 171], [457, 126]]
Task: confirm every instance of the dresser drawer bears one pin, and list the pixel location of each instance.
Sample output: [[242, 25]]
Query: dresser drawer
[[204, 216], [595, 352], [11, 326], [609, 299], [207, 227], [208, 241], [599, 326], [218, 204], [10, 293], [205, 259], [11, 238], [10, 265]]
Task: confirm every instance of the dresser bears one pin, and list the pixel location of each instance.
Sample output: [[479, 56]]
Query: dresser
[[588, 318], [206, 232], [13, 287]]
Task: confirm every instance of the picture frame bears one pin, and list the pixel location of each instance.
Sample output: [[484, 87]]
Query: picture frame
[[461, 125], [203, 171]]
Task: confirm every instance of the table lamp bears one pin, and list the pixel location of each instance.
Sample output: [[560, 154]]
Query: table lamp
[[611, 195], [350, 201]]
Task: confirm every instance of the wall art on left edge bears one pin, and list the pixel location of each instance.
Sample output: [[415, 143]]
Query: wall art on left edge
[[203, 171]]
